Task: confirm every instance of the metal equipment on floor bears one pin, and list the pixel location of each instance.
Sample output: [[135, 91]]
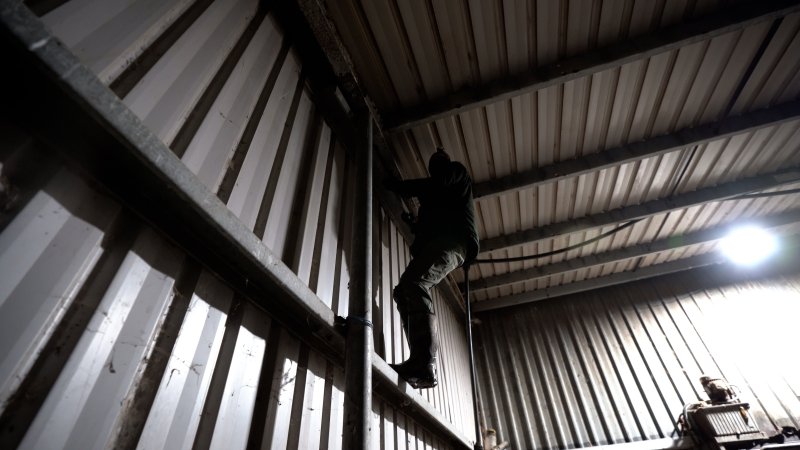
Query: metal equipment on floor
[[723, 421]]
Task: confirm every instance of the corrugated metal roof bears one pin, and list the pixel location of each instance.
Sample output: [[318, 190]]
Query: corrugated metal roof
[[408, 54]]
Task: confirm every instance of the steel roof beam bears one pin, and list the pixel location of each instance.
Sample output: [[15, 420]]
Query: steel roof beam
[[647, 148], [681, 265], [601, 282], [651, 208], [731, 18], [635, 251]]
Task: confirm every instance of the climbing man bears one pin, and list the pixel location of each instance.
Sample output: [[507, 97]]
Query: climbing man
[[445, 238]]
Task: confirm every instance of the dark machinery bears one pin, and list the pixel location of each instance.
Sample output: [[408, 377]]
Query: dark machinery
[[723, 421]]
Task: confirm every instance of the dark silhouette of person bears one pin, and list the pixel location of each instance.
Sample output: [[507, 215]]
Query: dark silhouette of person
[[445, 238]]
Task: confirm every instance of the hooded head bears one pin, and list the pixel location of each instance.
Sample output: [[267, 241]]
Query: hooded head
[[438, 163]]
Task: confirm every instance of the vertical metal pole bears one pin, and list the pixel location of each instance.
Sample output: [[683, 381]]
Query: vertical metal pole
[[358, 356], [478, 436]]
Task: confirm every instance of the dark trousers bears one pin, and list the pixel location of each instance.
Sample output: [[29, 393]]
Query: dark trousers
[[426, 270]]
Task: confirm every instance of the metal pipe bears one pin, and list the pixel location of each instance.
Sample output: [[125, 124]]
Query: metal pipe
[[358, 352], [478, 436]]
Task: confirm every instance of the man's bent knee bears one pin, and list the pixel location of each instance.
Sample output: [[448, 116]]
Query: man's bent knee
[[411, 299]]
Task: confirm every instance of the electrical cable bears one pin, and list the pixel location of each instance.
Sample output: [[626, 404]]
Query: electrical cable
[[765, 194], [561, 250], [617, 230]]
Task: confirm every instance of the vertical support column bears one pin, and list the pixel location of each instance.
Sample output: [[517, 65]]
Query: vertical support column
[[473, 376], [358, 357]]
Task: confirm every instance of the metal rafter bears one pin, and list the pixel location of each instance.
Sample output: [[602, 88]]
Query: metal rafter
[[640, 150], [635, 251], [681, 265], [731, 18], [651, 208], [601, 282]]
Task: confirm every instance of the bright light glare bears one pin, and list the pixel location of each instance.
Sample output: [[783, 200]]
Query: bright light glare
[[748, 245]]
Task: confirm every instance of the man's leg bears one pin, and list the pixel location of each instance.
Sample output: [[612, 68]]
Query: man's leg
[[415, 305]]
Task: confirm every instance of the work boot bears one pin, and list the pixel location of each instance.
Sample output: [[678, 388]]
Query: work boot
[[419, 370], [419, 377]]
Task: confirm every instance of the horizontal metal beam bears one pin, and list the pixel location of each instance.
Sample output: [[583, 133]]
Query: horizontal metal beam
[[601, 282], [635, 251], [90, 127], [636, 151], [653, 207], [788, 259], [730, 18]]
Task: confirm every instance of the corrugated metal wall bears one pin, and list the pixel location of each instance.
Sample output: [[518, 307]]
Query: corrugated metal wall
[[618, 364], [114, 337]]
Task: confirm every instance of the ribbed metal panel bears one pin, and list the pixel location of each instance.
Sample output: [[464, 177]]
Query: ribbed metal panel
[[618, 364], [651, 97], [178, 403], [113, 337], [414, 54], [113, 34], [47, 253], [89, 392], [416, 51], [729, 423], [89, 314]]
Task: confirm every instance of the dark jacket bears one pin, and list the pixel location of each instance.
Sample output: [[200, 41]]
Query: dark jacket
[[446, 208]]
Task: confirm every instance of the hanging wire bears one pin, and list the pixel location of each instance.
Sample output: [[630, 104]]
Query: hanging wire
[[765, 194], [617, 230], [561, 250]]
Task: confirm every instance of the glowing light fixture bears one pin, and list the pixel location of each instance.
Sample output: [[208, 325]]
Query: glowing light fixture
[[748, 245]]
